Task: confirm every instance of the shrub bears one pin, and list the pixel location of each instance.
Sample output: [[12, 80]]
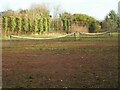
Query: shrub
[[29, 25], [64, 25], [45, 24], [5, 23], [18, 23], [25, 24], [35, 26], [12, 23], [48, 24], [41, 25]]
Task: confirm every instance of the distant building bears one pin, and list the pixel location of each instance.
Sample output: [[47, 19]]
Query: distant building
[[119, 8]]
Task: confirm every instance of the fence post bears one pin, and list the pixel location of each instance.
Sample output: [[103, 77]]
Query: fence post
[[110, 34], [79, 36], [75, 36], [10, 41]]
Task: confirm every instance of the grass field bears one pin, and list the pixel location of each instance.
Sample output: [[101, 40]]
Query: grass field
[[61, 63]]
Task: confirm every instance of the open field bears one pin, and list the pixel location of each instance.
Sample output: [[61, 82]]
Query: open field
[[61, 63]]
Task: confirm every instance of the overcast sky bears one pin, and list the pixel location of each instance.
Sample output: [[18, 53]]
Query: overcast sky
[[96, 8]]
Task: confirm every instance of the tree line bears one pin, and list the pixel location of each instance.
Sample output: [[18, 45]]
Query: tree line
[[111, 22], [35, 20], [18, 25], [38, 20]]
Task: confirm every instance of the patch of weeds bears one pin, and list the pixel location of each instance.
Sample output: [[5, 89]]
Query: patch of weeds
[[30, 77]]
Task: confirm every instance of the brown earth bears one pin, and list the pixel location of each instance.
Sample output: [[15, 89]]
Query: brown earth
[[71, 64]]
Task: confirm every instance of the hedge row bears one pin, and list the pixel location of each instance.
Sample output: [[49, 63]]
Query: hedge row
[[24, 25], [18, 25]]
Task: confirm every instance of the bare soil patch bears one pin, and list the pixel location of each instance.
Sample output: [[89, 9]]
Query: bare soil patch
[[58, 64]]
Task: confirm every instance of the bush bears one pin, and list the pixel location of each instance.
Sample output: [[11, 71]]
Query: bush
[[41, 25], [35, 26], [25, 24], [18, 23], [12, 23], [48, 24], [5, 23], [45, 27]]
